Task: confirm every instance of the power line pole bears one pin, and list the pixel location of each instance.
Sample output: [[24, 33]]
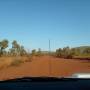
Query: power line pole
[[49, 47], [49, 58]]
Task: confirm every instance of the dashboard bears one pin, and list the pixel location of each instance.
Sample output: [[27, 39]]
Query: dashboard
[[45, 83]]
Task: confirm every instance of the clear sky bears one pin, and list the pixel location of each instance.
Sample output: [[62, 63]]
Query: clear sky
[[33, 22]]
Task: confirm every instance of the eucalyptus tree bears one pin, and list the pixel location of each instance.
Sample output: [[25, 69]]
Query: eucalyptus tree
[[16, 47], [3, 46]]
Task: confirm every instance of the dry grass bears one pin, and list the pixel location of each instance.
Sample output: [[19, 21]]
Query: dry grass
[[12, 61], [16, 62]]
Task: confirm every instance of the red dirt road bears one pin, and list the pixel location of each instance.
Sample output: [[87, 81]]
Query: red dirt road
[[46, 66]]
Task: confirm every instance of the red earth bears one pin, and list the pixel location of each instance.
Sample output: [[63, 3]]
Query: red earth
[[46, 66]]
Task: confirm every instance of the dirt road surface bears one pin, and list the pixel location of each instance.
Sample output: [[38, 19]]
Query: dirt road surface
[[46, 66]]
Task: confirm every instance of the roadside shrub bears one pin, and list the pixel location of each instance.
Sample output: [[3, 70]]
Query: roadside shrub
[[16, 62], [68, 56], [29, 58], [66, 52], [33, 53]]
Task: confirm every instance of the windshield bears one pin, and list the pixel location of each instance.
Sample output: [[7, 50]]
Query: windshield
[[44, 38]]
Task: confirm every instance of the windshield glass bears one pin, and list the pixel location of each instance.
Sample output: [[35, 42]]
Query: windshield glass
[[44, 38]]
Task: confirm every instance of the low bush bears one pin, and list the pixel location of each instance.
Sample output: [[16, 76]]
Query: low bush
[[16, 62]]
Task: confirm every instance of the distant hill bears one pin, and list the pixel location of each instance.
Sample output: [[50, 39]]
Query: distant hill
[[82, 48]]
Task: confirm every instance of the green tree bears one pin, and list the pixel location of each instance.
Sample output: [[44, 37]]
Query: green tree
[[59, 52], [3, 46], [39, 53], [12, 52], [67, 53], [22, 51], [87, 50], [64, 53], [33, 52], [16, 47]]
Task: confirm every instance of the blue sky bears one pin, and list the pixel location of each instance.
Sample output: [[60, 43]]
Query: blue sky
[[33, 22]]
